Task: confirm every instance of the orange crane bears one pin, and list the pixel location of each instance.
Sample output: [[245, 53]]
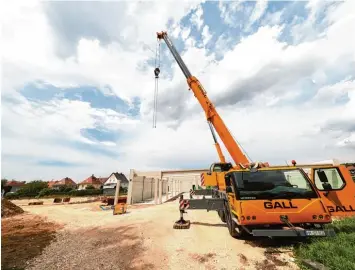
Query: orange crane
[[252, 199], [214, 120]]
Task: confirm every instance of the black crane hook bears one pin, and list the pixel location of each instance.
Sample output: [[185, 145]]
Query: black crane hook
[[156, 72]]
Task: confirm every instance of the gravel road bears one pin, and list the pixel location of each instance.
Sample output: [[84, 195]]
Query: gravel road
[[144, 239]]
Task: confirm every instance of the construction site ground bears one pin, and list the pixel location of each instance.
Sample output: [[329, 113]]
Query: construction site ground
[[82, 236]]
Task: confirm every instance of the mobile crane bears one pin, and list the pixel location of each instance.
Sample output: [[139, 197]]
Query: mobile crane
[[252, 198]]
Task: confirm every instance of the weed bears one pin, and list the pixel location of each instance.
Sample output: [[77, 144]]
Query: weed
[[334, 252]]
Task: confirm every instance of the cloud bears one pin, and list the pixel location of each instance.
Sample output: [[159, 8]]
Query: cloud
[[78, 90]]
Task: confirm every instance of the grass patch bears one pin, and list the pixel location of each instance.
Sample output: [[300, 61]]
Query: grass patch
[[334, 252]]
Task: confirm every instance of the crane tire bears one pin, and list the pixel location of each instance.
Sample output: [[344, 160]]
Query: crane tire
[[234, 230], [222, 215]]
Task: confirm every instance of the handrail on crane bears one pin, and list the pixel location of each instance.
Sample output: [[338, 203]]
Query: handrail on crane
[[214, 120]]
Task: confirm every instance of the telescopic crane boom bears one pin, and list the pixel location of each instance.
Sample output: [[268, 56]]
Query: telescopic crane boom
[[213, 118]]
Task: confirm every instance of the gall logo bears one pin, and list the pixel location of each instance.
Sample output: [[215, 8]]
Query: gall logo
[[283, 205], [340, 208]]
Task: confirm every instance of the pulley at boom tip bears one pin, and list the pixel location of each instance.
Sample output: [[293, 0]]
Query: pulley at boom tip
[[160, 35]]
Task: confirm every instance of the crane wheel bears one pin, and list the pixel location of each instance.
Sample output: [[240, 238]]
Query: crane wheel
[[222, 215], [182, 224]]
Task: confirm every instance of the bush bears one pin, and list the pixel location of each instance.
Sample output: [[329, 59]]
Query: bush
[[123, 190], [90, 187], [45, 192], [85, 192], [12, 196], [32, 189], [68, 189]]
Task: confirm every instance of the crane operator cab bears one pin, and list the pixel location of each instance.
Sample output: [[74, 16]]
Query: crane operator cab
[[220, 167], [215, 178]]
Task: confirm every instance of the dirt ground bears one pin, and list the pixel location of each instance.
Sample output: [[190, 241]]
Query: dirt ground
[[9, 209], [23, 237], [144, 238]]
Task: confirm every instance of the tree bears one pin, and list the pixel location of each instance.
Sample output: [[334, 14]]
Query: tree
[[90, 187], [4, 189], [32, 188], [3, 182]]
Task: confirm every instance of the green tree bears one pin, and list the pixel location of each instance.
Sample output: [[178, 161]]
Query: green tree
[[90, 187], [3, 182], [32, 188]]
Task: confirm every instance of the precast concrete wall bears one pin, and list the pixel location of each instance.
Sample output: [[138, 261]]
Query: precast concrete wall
[[160, 185], [143, 188], [148, 188], [137, 189]]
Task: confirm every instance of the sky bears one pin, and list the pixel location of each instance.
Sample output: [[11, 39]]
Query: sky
[[77, 88]]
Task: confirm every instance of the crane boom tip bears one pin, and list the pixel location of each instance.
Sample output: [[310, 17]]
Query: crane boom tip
[[160, 35]]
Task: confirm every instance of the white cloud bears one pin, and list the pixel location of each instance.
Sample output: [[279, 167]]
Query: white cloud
[[259, 69], [206, 35], [258, 11], [196, 17], [228, 11]]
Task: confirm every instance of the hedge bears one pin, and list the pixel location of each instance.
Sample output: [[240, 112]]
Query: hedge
[[48, 192]]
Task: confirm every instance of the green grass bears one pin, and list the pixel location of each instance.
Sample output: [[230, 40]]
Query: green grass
[[334, 252]]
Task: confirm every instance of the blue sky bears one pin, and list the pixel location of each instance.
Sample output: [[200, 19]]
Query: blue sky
[[78, 91]]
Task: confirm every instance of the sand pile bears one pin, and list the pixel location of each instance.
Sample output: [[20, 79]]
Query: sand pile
[[9, 209]]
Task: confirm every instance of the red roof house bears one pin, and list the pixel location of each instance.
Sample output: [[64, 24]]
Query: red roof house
[[15, 185], [51, 183], [64, 182], [90, 181]]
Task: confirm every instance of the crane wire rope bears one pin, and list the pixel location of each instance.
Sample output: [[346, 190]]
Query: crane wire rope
[[240, 145], [156, 73]]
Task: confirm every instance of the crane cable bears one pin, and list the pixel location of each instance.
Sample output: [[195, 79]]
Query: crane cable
[[240, 145], [156, 73]]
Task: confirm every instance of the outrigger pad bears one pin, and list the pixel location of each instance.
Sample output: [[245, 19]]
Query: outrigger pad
[[182, 224]]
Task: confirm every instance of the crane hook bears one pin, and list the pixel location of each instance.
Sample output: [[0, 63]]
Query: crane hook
[[156, 72]]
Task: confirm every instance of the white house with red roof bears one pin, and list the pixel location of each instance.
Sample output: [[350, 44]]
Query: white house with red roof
[[15, 185]]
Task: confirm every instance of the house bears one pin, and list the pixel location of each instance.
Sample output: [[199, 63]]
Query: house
[[51, 183], [15, 185], [110, 185], [65, 182], [90, 181], [102, 180]]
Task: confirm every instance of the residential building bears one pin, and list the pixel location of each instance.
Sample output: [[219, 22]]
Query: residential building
[[90, 181], [102, 180], [65, 182], [15, 185], [110, 185], [51, 183]]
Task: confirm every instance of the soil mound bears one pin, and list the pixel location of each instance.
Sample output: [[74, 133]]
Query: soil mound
[[9, 209]]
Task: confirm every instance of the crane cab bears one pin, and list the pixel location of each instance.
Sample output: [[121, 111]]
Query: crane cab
[[215, 176], [220, 167]]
